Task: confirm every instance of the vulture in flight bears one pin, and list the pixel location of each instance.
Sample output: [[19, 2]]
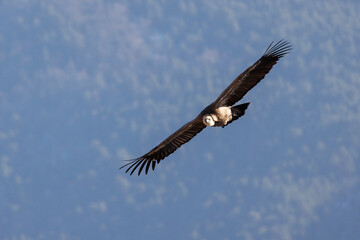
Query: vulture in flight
[[220, 113]]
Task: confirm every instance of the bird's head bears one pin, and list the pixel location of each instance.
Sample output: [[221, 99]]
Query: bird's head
[[208, 120]]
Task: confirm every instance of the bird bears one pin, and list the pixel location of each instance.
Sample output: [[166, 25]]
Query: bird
[[219, 113]]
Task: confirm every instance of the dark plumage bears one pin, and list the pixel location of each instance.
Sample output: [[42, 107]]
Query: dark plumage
[[219, 113]]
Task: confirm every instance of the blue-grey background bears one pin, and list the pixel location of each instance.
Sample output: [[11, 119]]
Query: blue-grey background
[[86, 84]]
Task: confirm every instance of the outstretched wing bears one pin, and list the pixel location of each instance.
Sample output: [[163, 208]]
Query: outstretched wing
[[253, 75], [166, 147]]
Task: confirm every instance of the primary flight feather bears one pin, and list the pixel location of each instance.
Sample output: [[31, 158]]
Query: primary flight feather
[[219, 113]]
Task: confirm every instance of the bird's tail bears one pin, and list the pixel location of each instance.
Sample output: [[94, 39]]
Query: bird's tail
[[238, 111]]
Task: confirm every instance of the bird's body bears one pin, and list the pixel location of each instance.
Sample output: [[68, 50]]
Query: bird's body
[[220, 113], [221, 116]]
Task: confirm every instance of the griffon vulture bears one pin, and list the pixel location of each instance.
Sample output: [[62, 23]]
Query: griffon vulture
[[219, 113]]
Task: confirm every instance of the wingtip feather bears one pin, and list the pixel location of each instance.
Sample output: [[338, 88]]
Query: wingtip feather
[[278, 50], [135, 163]]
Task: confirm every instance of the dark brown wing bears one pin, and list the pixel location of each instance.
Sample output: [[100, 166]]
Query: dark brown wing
[[166, 147], [253, 75]]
